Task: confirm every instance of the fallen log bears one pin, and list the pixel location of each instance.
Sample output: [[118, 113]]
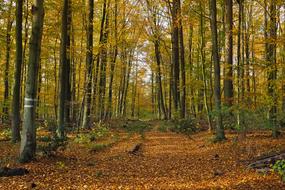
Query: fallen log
[[135, 148], [8, 172], [267, 161]]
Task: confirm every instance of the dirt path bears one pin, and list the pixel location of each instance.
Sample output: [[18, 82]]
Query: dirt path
[[166, 161]]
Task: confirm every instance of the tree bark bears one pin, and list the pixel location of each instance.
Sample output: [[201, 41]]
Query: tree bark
[[272, 73], [103, 54], [5, 116], [203, 58], [16, 105], [175, 55], [28, 141], [113, 64], [64, 66], [182, 64], [228, 83], [89, 64], [220, 134]]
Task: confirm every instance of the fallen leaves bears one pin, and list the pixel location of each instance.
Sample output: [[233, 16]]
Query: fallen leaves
[[169, 161]]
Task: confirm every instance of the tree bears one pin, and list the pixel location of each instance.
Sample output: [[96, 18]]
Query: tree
[[7, 62], [175, 54], [89, 66], [103, 65], [109, 111], [272, 68], [156, 39], [182, 64], [228, 83], [16, 118], [203, 59], [64, 69], [220, 134], [28, 141]]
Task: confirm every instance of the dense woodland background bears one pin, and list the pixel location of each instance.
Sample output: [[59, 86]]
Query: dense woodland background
[[74, 63], [142, 94]]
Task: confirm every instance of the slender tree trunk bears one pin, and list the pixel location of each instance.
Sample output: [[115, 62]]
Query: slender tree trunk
[[203, 59], [247, 55], [220, 134], [159, 83], [28, 141], [16, 105], [175, 54], [7, 64], [283, 78], [170, 91], [272, 73], [192, 106], [97, 76], [55, 97], [26, 37], [228, 92], [39, 91], [103, 54], [134, 92], [64, 62], [89, 64], [182, 64], [152, 94], [126, 87], [74, 102], [113, 64], [69, 57]]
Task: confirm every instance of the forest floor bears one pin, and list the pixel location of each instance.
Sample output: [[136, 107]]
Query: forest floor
[[165, 160]]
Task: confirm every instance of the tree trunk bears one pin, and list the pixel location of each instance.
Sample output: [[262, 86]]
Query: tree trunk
[[175, 54], [89, 64], [69, 57], [113, 64], [103, 54], [28, 141], [16, 105], [182, 64], [228, 92], [272, 73], [64, 65], [126, 86], [159, 83], [7, 64], [134, 92], [192, 106], [220, 134], [203, 58]]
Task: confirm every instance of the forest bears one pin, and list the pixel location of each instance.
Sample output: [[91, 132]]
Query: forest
[[142, 94]]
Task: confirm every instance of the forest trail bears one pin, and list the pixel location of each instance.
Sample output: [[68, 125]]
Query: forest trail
[[165, 161]]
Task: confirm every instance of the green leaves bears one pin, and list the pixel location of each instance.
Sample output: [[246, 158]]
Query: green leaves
[[279, 167]]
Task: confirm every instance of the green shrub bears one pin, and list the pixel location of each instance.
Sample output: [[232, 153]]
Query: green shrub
[[249, 118], [136, 127], [94, 134], [82, 138], [51, 146], [279, 167], [186, 126], [163, 128]]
